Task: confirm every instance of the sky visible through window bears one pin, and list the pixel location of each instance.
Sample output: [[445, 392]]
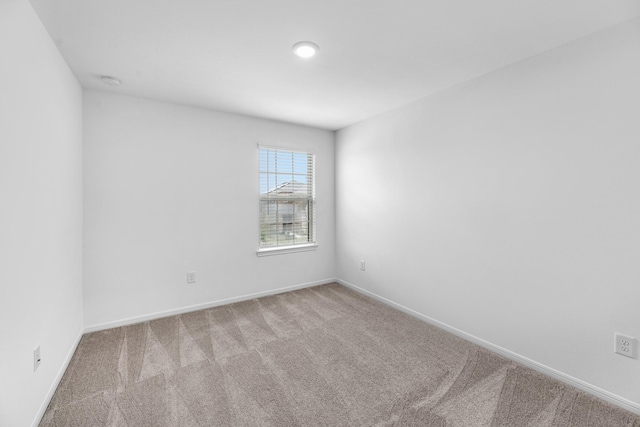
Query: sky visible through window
[[290, 166]]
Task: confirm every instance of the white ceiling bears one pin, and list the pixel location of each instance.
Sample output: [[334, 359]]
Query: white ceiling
[[235, 55]]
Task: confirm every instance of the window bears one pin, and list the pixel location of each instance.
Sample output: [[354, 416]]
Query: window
[[287, 199]]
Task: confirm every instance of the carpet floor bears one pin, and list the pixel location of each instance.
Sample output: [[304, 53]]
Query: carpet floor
[[322, 356]]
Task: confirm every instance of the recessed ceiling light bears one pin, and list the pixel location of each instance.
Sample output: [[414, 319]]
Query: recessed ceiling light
[[111, 81], [305, 49]]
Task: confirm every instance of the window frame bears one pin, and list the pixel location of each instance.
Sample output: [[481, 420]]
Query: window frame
[[311, 217]]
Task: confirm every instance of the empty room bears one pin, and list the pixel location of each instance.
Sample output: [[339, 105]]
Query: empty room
[[319, 213]]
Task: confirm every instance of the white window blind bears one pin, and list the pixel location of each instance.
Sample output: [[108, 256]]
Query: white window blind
[[287, 198]]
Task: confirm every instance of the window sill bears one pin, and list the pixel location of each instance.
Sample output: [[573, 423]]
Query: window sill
[[287, 249]]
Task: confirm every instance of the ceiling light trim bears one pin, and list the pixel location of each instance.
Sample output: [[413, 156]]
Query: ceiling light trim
[[110, 81], [305, 49]]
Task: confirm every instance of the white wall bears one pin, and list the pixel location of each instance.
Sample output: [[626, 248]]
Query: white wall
[[509, 207], [169, 189], [40, 213]]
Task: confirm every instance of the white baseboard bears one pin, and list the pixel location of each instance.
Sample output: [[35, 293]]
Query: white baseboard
[[172, 312], [57, 380], [539, 367]]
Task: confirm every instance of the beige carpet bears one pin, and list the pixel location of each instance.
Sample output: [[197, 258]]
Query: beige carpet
[[323, 356]]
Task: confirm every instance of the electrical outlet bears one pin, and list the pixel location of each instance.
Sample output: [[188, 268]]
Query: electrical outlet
[[36, 359], [625, 345], [362, 265], [191, 277]]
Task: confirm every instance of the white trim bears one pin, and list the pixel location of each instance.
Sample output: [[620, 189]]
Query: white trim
[[279, 250], [310, 150], [539, 367], [57, 380], [187, 309]]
